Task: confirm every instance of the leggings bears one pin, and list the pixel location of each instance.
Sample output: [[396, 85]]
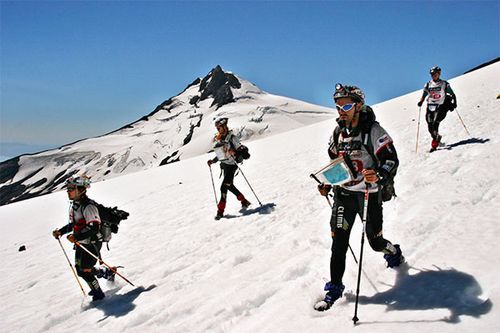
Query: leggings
[[347, 205], [433, 119], [227, 182], [84, 262]]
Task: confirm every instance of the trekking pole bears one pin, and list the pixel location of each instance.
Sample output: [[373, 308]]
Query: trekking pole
[[102, 262], [458, 114], [260, 203], [213, 185], [418, 127], [71, 266], [313, 176], [355, 319]]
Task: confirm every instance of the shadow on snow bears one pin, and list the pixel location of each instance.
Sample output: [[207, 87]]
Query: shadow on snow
[[433, 289], [463, 142], [267, 208], [118, 305]]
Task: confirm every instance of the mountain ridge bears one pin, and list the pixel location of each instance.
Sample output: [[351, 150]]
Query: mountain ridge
[[161, 137]]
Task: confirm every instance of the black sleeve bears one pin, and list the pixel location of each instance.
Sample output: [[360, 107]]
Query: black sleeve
[[332, 151], [66, 229], [389, 163], [90, 230], [332, 147]]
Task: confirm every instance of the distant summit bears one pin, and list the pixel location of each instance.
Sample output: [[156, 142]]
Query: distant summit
[[178, 128], [218, 84]]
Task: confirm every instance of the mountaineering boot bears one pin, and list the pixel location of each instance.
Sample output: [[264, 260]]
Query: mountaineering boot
[[97, 294], [394, 260], [244, 202], [95, 291], [435, 142], [106, 273], [334, 292]]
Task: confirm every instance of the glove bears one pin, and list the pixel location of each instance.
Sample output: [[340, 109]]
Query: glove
[[56, 233], [71, 238], [324, 189], [210, 162], [370, 175], [420, 103], [454, 106]]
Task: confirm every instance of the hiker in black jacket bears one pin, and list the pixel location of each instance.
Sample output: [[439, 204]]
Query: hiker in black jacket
[[373, 156]]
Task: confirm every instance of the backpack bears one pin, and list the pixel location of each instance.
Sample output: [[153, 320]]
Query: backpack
[[387, 191], [241, 154], [449, 102], [110, 219]]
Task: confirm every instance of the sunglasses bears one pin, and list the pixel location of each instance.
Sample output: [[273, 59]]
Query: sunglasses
[[346, 107]]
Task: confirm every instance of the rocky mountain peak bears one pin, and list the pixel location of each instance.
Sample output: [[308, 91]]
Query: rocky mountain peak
[[218, 84]]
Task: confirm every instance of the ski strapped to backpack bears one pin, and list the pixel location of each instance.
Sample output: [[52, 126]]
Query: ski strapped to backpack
[[387, 191], [110, 220]]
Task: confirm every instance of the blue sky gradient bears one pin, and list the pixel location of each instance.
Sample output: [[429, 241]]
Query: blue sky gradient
[[71, 70]]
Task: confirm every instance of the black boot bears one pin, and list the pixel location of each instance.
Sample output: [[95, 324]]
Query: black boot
[[394, 260]]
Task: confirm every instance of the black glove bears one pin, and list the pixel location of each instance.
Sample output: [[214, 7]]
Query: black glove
[[454, 104], [420, 103]]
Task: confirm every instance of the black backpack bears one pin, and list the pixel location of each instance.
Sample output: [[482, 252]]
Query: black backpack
[[241, 154], [110, 219], [387, 191]]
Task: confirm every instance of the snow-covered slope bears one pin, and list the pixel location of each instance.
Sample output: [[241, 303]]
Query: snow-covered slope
[[263, 272], [179, 128]]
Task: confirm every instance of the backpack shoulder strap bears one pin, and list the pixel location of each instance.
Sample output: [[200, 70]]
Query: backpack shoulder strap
[[367, 142], [336, 134], [229, 139]]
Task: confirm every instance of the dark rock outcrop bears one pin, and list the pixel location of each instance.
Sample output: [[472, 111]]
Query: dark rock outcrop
[[8, 169], [218, 84], [170, 159]]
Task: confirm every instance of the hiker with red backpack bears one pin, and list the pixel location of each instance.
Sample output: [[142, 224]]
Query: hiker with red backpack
[[441, 99], [84, 232], [228, 151], [370, 152]]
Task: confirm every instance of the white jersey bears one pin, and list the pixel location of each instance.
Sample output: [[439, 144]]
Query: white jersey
[[360, 156], [83, 215], [223, 146], [436, 91]]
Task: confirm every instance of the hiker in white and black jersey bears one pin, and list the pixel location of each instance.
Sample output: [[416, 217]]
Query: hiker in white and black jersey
[[226, 145], [441, 99]]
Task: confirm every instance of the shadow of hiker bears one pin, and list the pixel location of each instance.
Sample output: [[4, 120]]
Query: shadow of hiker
[[465, 142], [433, 289], [119, 305], [267, 208]]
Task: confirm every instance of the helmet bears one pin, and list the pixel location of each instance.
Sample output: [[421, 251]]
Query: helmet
[[435, 69], [221, 121], [349, 91], [78, 181]]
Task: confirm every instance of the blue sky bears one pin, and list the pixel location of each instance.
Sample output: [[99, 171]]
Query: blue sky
[[74, 69]]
